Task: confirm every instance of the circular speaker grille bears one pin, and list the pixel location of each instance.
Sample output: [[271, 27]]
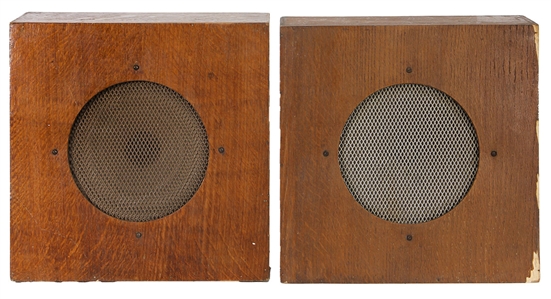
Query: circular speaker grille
[[138, 151], [408, 153]]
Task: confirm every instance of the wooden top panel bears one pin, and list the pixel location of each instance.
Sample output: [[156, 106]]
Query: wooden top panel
[[78, 17], [397, 21]]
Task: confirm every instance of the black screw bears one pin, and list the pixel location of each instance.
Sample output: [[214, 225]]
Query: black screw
[[136, 67], [221, 150], [408, 69], [138, 235], [54, 152], [325, 153], [409, 237], [493, 153]]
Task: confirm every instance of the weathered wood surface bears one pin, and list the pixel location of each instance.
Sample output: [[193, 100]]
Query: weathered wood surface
[[328, 66]]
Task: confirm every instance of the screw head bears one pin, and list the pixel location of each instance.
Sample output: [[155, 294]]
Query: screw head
[[138, 235], [136, 67], [325, 153], [493, 153], [409, 69], [54, 151], [409, 237], [221, 150]]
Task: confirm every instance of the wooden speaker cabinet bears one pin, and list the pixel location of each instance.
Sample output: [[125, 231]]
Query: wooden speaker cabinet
[[139, 147], [409, 149]]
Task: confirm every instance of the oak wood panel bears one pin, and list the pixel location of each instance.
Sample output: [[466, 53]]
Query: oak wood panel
[[327, 69], [221, 233]]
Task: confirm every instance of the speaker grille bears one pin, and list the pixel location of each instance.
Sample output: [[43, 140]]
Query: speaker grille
[[408, 153], [138, 151]]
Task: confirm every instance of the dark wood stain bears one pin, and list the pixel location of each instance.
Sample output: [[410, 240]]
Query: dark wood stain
[[221, 68], [327, 68]]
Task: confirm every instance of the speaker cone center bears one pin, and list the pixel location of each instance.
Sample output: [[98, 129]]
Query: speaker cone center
[[143, 149]]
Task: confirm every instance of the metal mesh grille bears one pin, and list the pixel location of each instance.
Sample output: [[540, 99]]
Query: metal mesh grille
[[408, 153], [138, 151]]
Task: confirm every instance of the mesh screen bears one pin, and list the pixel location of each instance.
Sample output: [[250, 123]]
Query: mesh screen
[[138, 151], [408, 153]]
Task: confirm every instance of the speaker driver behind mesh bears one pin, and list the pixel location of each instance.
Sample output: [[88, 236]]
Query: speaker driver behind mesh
[[408, 153], [138, 151]]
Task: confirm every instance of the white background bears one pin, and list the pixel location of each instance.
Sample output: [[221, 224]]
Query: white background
[[535, 10]]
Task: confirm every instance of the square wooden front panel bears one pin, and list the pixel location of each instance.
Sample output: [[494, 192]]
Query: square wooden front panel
[[218, 63], [486, 67]]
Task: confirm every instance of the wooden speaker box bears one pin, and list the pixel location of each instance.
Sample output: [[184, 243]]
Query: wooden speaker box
[[409, 149], [139, 147]]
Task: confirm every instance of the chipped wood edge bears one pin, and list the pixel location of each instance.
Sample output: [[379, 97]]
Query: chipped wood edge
[[537, 40], [538, 130], [538, 175], [535, 273], [538, 190]]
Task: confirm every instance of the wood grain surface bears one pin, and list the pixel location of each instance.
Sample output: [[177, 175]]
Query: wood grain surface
[[221, 68], [141, 18], [401, 21], [327, 68]]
